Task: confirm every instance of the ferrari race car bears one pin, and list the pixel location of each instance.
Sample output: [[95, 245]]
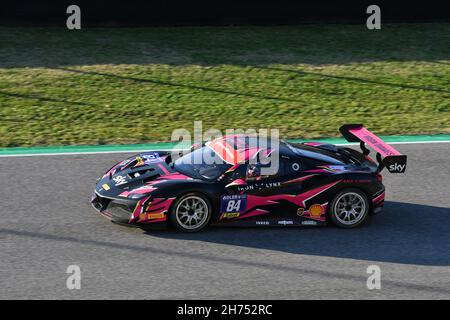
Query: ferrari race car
[[315, 183]]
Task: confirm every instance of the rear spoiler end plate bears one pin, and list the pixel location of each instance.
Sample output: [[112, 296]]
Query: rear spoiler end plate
[[387, 156]]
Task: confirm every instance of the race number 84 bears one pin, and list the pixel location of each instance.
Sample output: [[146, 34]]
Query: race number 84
[[234, 205]]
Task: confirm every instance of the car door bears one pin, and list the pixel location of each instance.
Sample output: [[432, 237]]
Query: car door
[[262, 199]]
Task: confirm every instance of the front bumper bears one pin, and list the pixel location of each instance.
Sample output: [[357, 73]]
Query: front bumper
[[116, 210], [120, 211]]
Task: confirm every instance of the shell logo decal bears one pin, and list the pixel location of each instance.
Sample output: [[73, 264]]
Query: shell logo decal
[[315, 210]]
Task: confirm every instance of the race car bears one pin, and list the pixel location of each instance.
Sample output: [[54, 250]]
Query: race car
[[314, 184]]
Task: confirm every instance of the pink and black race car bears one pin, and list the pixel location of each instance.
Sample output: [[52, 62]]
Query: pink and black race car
[[313, 184]]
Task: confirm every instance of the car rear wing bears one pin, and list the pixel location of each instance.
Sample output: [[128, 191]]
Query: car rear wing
[[387, 156]]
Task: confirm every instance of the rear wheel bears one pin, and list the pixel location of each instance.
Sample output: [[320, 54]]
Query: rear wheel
[[349, 208], [191, 212]]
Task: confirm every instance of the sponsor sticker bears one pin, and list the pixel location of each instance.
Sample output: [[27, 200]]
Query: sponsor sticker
[[151, 157], [231, 215], [337, 168], [140, 162], [149, 216], [105, 187], [233, 204], [155, 215], [260, 186], [396, 167], [286, 222], [309, 223], [264, 223], [315, 210], [300, 211], [357, 181], [125, 162], [119, 180]]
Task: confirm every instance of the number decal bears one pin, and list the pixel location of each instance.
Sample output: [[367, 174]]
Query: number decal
[[233, 204]]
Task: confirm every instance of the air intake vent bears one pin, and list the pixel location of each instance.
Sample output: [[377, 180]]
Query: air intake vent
[[136, 174], [151, 178]]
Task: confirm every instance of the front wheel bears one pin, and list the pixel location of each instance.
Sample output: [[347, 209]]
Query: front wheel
[[191, 212], [349, 208]]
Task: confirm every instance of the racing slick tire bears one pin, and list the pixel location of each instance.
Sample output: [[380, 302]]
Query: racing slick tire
[[349, 208], [191, 212]]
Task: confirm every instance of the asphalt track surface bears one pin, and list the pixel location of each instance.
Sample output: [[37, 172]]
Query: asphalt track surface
[[47, 224]]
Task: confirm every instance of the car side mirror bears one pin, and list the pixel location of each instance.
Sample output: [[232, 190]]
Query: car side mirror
[[253, 172]]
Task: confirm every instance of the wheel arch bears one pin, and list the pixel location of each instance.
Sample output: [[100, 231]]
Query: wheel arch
[[331, 217], [366, 188], [343, 187], [197, 191]]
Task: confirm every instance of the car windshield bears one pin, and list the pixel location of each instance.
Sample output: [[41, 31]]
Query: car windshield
[[202, 163]]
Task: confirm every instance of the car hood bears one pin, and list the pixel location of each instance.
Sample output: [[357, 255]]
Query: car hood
[[137, 176]]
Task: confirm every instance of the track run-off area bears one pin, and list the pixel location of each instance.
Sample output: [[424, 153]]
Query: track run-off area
[[47, 224]]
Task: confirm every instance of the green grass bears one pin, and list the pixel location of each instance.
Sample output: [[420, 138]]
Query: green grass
[[102, 86]]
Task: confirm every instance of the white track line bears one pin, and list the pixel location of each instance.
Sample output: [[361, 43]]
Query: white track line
[[142, 150], [79, 153]]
